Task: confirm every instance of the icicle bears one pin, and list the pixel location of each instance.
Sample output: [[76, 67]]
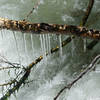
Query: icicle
[[72, 47], [44, 45], [32, 43], [60, 45], [47, 48], [41, 40], [15, 41], [25, 43], [16, 46], [49, 44], [2, 89], [85, 42], [2, 34], [25, 46]]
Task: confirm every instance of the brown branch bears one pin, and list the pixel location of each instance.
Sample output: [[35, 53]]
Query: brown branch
[[43, 28], [87, 13], [35, 6], [92, 44], [16, 87], [89, 68], [84, 20]]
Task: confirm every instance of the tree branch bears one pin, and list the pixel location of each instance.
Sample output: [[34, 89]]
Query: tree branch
[[35, 6], [84, 20], [87, 13], [3, 68], [43, 28], [89, 68], [9, 83], [92, 44]]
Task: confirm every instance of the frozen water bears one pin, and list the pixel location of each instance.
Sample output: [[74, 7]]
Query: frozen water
[[49, 78], [85, 44], [16, 46], [32, 43], [60, 45]]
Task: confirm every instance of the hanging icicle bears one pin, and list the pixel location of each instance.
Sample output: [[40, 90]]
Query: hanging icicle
[[60, 46], [17, 47]]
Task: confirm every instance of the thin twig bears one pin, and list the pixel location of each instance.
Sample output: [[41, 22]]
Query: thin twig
[[92, 44], [9, 83], [87, 13], [89, 68], [35, 6], [3, 68]]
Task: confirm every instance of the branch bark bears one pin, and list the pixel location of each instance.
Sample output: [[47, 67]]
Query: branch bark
[[94, 42], [84, 20], [87, 13], [44, 28]]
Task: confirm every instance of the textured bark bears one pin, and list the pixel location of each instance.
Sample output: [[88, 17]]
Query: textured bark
[[44, 28]]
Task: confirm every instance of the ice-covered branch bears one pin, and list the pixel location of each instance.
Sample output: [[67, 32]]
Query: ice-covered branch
[[44, 28], [89, 68], [84, 20]]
